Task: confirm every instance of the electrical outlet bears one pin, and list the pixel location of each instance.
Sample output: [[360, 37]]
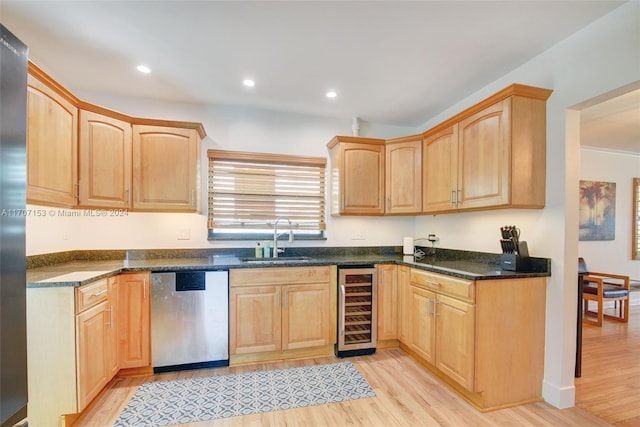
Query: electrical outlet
[[357, 235], [184, 234], [432, 238]]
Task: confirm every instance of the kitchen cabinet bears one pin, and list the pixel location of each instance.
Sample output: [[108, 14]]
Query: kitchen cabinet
[[105, 161], [403, 175], [491, 155], [387, 304], [357, 176], [113, 363], [166, 168], [52, 144], [74, 328], [280, 310], [484, 338], [134, 320], [404, 299], [83, 155]]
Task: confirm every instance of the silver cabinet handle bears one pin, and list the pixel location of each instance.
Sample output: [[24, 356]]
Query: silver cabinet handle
[[144, 289], [435, 309], [78, 191], [286, 298], [428, 307], [97, 294], [128, 196], [434, 283], [452, 198], [458, 198], [278, 298]]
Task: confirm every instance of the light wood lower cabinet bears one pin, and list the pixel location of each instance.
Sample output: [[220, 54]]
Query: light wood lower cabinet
[[387, 304], [484, 338], [281, 309], [92, 335], [74, 342], [134, 315]]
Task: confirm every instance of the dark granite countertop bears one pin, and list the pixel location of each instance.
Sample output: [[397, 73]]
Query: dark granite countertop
[[463, 264]]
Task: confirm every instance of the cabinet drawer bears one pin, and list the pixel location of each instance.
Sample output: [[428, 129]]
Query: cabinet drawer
[[90, 295], [278, 276], [447, 285]]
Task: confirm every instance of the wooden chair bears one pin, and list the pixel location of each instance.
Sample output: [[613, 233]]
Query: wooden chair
[[603, 287]]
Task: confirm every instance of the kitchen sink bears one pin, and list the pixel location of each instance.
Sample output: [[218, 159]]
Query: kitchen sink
[[279, 260]]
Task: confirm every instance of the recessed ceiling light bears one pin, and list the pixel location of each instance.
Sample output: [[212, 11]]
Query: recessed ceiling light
[[143, 69], [248, 83], [332, 94]]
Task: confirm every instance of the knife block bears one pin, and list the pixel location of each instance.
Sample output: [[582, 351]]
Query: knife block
[[513, 262]]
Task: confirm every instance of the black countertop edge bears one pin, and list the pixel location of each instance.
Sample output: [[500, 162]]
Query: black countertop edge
[[480, 267]]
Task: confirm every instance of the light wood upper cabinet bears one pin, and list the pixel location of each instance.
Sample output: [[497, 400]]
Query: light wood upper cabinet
[[490, 156], [134, 320], [83, 155], [484, 153], [357, 176], [165, 168], [52, 146], [403, 176], [105, 161], [387, 302], [440, 170]]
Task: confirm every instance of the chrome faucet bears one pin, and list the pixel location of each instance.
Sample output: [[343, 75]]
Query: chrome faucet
[[276, 235]]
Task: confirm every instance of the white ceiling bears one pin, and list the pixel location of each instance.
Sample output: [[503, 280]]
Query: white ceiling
[[391, 62]]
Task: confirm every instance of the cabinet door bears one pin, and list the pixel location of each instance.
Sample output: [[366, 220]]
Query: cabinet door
[[484, 157], [105, 161], [113, 364], [91, 341], [403, 164], [165, 174], [134, 320], [423, 340], [387, 302], [440, 174], [305, 316], [455, 339], [404, 281], [52, 146], [254, 319], [362, 179]]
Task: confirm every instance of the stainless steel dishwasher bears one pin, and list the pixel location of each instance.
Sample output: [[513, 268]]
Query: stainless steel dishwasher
[[189, 320]]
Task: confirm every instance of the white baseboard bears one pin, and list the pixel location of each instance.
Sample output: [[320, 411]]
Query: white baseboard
[[560, 397]]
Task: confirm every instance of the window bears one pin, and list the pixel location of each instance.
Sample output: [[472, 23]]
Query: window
[[635, 218], [249, 191]]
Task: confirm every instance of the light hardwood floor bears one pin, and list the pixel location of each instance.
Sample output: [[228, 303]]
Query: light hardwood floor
[[610, 382], [407, 395]]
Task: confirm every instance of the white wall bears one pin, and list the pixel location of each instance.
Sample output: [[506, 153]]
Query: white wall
[[228, 128], [612, 256], [597, 59]]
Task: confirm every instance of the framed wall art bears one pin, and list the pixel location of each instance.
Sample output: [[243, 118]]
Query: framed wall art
[[597, 210]]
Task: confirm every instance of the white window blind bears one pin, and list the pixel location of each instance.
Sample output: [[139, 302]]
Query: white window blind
[[248, 191]]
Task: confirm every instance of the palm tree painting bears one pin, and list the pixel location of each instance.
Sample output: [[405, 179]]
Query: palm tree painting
[[597, 210]]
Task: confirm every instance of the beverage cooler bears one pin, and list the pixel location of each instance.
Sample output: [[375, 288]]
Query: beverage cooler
[[357, 310]]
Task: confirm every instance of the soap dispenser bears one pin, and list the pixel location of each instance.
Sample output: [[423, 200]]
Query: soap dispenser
[[258, 250]]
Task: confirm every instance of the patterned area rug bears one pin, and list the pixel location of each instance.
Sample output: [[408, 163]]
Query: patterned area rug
[[163, 403]]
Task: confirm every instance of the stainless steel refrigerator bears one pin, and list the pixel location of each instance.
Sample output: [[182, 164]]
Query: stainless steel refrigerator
[[13, 166]]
